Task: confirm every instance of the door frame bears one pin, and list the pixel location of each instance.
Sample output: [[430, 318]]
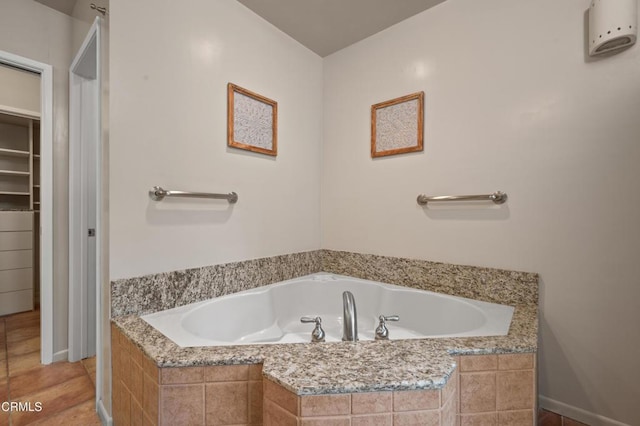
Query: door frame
[[46, 196], [78, 217], [77, 211]]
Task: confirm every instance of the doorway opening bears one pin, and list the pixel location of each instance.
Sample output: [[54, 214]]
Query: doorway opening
[[85, 205], [28, 186]]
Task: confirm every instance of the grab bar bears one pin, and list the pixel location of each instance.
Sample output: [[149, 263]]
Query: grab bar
[[158, 193], [496, 197]]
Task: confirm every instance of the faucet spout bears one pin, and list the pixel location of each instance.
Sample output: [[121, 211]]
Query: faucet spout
[[350, 318]]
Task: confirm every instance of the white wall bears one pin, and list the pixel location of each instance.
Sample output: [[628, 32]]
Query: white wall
[[29, 29], [512, 104], [170, 66]]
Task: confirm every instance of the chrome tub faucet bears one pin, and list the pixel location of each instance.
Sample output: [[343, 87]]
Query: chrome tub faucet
[[350, 318]]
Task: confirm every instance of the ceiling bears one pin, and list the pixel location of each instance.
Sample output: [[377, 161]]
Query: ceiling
[[324, 26], [64, 6]]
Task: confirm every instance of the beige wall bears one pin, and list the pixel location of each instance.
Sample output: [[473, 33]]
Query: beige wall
[[20, 89], [34, 31], [82, 10], [168, 127], [84, 16], [512, 104]]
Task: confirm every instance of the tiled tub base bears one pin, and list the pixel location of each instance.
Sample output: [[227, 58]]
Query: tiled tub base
[[400, 408], [484, 390], [497, 389], [144, 394]]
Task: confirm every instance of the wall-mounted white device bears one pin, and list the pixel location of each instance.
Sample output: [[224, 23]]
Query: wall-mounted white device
[[613, 24]]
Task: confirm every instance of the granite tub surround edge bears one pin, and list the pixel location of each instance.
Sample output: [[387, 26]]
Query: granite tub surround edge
[[473, 282], [341, 367], [157, 292], [166, 290]]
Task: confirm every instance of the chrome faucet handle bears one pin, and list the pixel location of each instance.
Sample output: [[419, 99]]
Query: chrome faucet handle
[[317, 335], [382, 332]]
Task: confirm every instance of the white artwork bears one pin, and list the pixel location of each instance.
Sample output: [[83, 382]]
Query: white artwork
[[397, 125], [252, 121]]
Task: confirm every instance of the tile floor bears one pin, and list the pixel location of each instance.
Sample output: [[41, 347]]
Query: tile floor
[[549, 418], [65, 390]]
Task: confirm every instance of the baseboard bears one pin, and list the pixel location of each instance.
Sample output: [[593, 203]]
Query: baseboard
[[105, 418], [576, 413], [61, 355]]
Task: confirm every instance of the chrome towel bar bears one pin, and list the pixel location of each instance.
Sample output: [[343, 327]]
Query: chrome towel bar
[[496, 197], [158, 193]]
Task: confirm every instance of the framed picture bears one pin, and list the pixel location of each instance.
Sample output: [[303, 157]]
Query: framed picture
[[397, 125], [252, 121]]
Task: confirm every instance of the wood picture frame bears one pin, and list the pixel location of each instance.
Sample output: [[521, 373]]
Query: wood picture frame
[[252, 121], [397, 126]]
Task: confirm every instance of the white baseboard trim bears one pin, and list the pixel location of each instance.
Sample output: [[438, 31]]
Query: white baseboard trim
[[61, 355], [576, 413], [105, 418]]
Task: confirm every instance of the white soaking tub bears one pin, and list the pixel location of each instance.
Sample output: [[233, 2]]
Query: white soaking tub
[[271, 314]]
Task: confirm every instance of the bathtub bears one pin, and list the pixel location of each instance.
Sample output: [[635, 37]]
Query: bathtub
[[271, 314]]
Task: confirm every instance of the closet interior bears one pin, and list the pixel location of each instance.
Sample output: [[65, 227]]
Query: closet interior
[[19, 193]]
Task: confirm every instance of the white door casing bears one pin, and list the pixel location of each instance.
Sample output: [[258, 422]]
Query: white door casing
[[46, 196]]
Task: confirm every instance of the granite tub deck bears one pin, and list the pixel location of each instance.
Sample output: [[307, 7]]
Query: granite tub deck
[[341, 367], [443, 381], [439, 382]]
